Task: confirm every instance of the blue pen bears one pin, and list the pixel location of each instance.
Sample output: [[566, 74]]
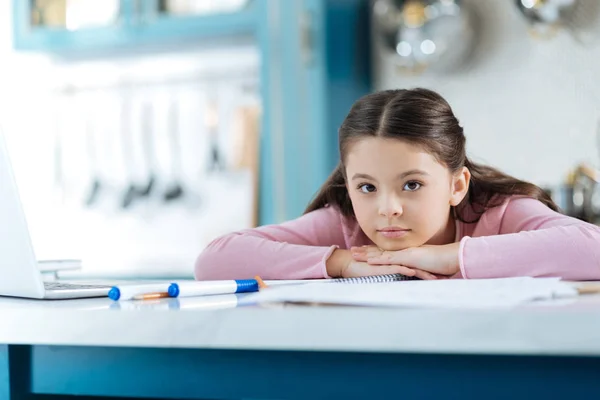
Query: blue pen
[[202, 288], [135, 291]]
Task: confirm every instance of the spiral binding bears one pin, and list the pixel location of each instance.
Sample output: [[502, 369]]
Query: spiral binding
[[375, 279]]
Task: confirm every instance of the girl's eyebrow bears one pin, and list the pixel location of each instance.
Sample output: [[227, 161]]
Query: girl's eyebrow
[[399, 176]]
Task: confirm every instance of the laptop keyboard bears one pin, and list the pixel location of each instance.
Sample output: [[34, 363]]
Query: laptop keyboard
[[71, 286]]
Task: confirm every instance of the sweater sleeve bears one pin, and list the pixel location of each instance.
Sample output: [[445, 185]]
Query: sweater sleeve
[[297, 249], [533, 241]]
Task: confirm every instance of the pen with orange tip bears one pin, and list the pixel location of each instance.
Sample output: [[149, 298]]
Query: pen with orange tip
[[261, 283], [151, 296], [588, 288], [130, 291]]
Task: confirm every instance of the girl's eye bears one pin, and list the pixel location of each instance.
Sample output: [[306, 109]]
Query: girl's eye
[[412, 186], [366, 188]]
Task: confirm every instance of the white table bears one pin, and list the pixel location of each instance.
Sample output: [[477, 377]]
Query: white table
[[164, 349]]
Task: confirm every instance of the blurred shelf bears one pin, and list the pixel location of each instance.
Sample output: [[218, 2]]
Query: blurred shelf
[[131, 28], [227, 24]]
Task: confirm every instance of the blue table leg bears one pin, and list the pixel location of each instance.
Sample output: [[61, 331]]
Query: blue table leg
[[4, 373], [15, 372]]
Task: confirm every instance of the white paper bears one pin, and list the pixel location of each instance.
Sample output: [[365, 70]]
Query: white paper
[[450, 293]]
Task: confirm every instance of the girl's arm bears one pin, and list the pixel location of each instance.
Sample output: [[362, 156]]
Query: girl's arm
[[533, 241], [297, 249]]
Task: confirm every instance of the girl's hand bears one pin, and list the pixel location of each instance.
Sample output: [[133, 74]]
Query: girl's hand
[[441, 260], [341, 264], [359, 268]]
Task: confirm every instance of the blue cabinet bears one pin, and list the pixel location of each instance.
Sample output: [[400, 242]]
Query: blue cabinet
[[315, 62]]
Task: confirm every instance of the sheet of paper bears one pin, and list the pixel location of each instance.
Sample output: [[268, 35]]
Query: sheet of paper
[[449, 293]]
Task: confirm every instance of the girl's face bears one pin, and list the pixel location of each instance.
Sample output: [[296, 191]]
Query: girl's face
[[401, 195]]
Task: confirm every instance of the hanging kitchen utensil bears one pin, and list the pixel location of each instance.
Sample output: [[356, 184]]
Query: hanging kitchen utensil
[[175, 189], [148, 150], [126, 137], [215, 158], [59, 179], [585, 181], [436, 35], [135, 190], [583, 22], [594, 212], [92, 153], [547, 17]]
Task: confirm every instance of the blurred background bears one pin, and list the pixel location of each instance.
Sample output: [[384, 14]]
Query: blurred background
[[140, 130]]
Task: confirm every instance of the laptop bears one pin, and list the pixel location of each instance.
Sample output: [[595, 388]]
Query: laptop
[[20, 275]]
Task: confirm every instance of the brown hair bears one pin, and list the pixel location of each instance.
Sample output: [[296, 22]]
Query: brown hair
[[423, 118]]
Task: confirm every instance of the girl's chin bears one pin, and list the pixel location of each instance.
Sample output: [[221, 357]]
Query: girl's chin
[[395, 245]]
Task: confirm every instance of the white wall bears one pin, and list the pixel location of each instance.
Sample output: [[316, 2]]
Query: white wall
[[23, 77], [527, 106], [24, 115], [154, 237]]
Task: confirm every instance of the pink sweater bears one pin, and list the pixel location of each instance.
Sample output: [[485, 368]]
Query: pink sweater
[[522, 237]]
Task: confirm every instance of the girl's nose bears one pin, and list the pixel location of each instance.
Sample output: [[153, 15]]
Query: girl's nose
[[391, 207]]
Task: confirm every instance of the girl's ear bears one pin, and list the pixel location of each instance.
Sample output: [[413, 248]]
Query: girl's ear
[[460, 186]]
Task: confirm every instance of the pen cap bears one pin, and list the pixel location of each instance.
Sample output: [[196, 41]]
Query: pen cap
[[114, 293], [173, 290]]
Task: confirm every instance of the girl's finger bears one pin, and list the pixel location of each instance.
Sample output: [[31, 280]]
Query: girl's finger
[[359, 257], [406, 271], [376, 260], [424, 275], [396, 269], [386, 270], [378, 254], [402, 257], [359, 250]]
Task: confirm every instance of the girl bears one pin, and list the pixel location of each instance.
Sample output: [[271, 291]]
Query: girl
[[406, 199]]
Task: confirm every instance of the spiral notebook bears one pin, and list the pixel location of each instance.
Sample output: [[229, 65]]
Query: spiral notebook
[[357, 280], [374, 279]]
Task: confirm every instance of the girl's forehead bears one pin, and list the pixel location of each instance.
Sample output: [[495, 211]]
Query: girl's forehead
[[388, 154]]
